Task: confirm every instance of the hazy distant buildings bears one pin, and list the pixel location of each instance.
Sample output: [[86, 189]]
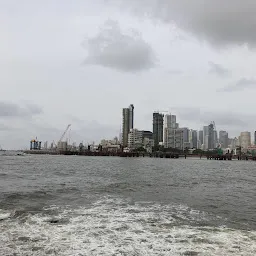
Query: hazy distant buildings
[[185, 135], [193, 138], [211, 142], [128, 119], [158, 124], [215, 139], [179, 138], [223, 139], [255, 138], [201, 138], [245, 140], [234, 143], [205, 137]]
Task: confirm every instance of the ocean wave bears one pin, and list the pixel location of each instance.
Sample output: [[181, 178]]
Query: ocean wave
[[114, 226]]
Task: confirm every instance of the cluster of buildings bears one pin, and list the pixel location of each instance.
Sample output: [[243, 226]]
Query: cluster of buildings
[[167, 133]]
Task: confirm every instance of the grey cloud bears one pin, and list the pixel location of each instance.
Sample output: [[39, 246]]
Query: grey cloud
[[4, 127], [174, 71], [14, 110], [218, 70], [119, 50], [240, 85], [220, 22], [204, 117]]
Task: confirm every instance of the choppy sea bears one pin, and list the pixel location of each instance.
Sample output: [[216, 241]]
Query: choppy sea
[[76, 205]]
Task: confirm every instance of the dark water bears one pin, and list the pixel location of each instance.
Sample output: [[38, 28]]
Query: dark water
[[70, 205]]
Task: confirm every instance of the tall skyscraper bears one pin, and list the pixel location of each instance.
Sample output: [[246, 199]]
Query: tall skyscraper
[[201, 138], [211, 137], [169, 127], [128, 119], [245, 140], [255, 138], [223, 139], [158, 125], [131, 116], [194, 139], [215, 139], [206, 137], [185, 134]]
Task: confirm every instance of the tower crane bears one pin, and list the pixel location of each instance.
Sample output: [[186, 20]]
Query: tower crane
[[64, 133]]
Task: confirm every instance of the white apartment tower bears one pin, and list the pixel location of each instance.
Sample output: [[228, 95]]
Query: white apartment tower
[[169, 130], [245, 140]]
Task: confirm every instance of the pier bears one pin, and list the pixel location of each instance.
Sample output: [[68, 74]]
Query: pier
[[227, 157]]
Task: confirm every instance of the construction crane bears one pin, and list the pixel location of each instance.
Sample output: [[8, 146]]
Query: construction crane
[[64, 133]]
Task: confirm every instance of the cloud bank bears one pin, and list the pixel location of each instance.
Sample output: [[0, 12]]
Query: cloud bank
[[14, 110], [219, 22], [123, 51]]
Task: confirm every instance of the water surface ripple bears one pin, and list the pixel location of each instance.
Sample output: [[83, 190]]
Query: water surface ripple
[[71, 205]]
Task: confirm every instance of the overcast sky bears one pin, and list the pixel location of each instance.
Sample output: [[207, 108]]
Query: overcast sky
[[82, 61]]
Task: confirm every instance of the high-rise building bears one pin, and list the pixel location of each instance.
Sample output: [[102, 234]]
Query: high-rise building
[[185, 134], [169, 126], [128, 119], [205, 137], [201, 138], [194, 139], [245, 140], [215, 139], [158, 124], [131, 117], [179, 138], [255, 138], [211, 137], [223, 139]]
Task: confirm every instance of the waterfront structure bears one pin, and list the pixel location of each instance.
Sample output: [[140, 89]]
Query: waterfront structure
[[223, 139], [128, 122], [245, 140], [35, 144], [158, 124]]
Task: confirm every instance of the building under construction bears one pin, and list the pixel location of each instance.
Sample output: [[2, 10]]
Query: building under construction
[[35, 144]]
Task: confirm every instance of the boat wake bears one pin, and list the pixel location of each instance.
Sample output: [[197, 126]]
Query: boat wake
[[113, 226]]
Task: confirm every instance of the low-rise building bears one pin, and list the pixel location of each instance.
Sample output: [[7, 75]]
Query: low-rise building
[[135, 138]]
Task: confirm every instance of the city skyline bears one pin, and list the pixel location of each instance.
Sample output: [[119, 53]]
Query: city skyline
[[106, 55], [167, 132]]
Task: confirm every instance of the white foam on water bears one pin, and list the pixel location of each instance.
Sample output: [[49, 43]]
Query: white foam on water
[[4, 215], [115, 227]]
